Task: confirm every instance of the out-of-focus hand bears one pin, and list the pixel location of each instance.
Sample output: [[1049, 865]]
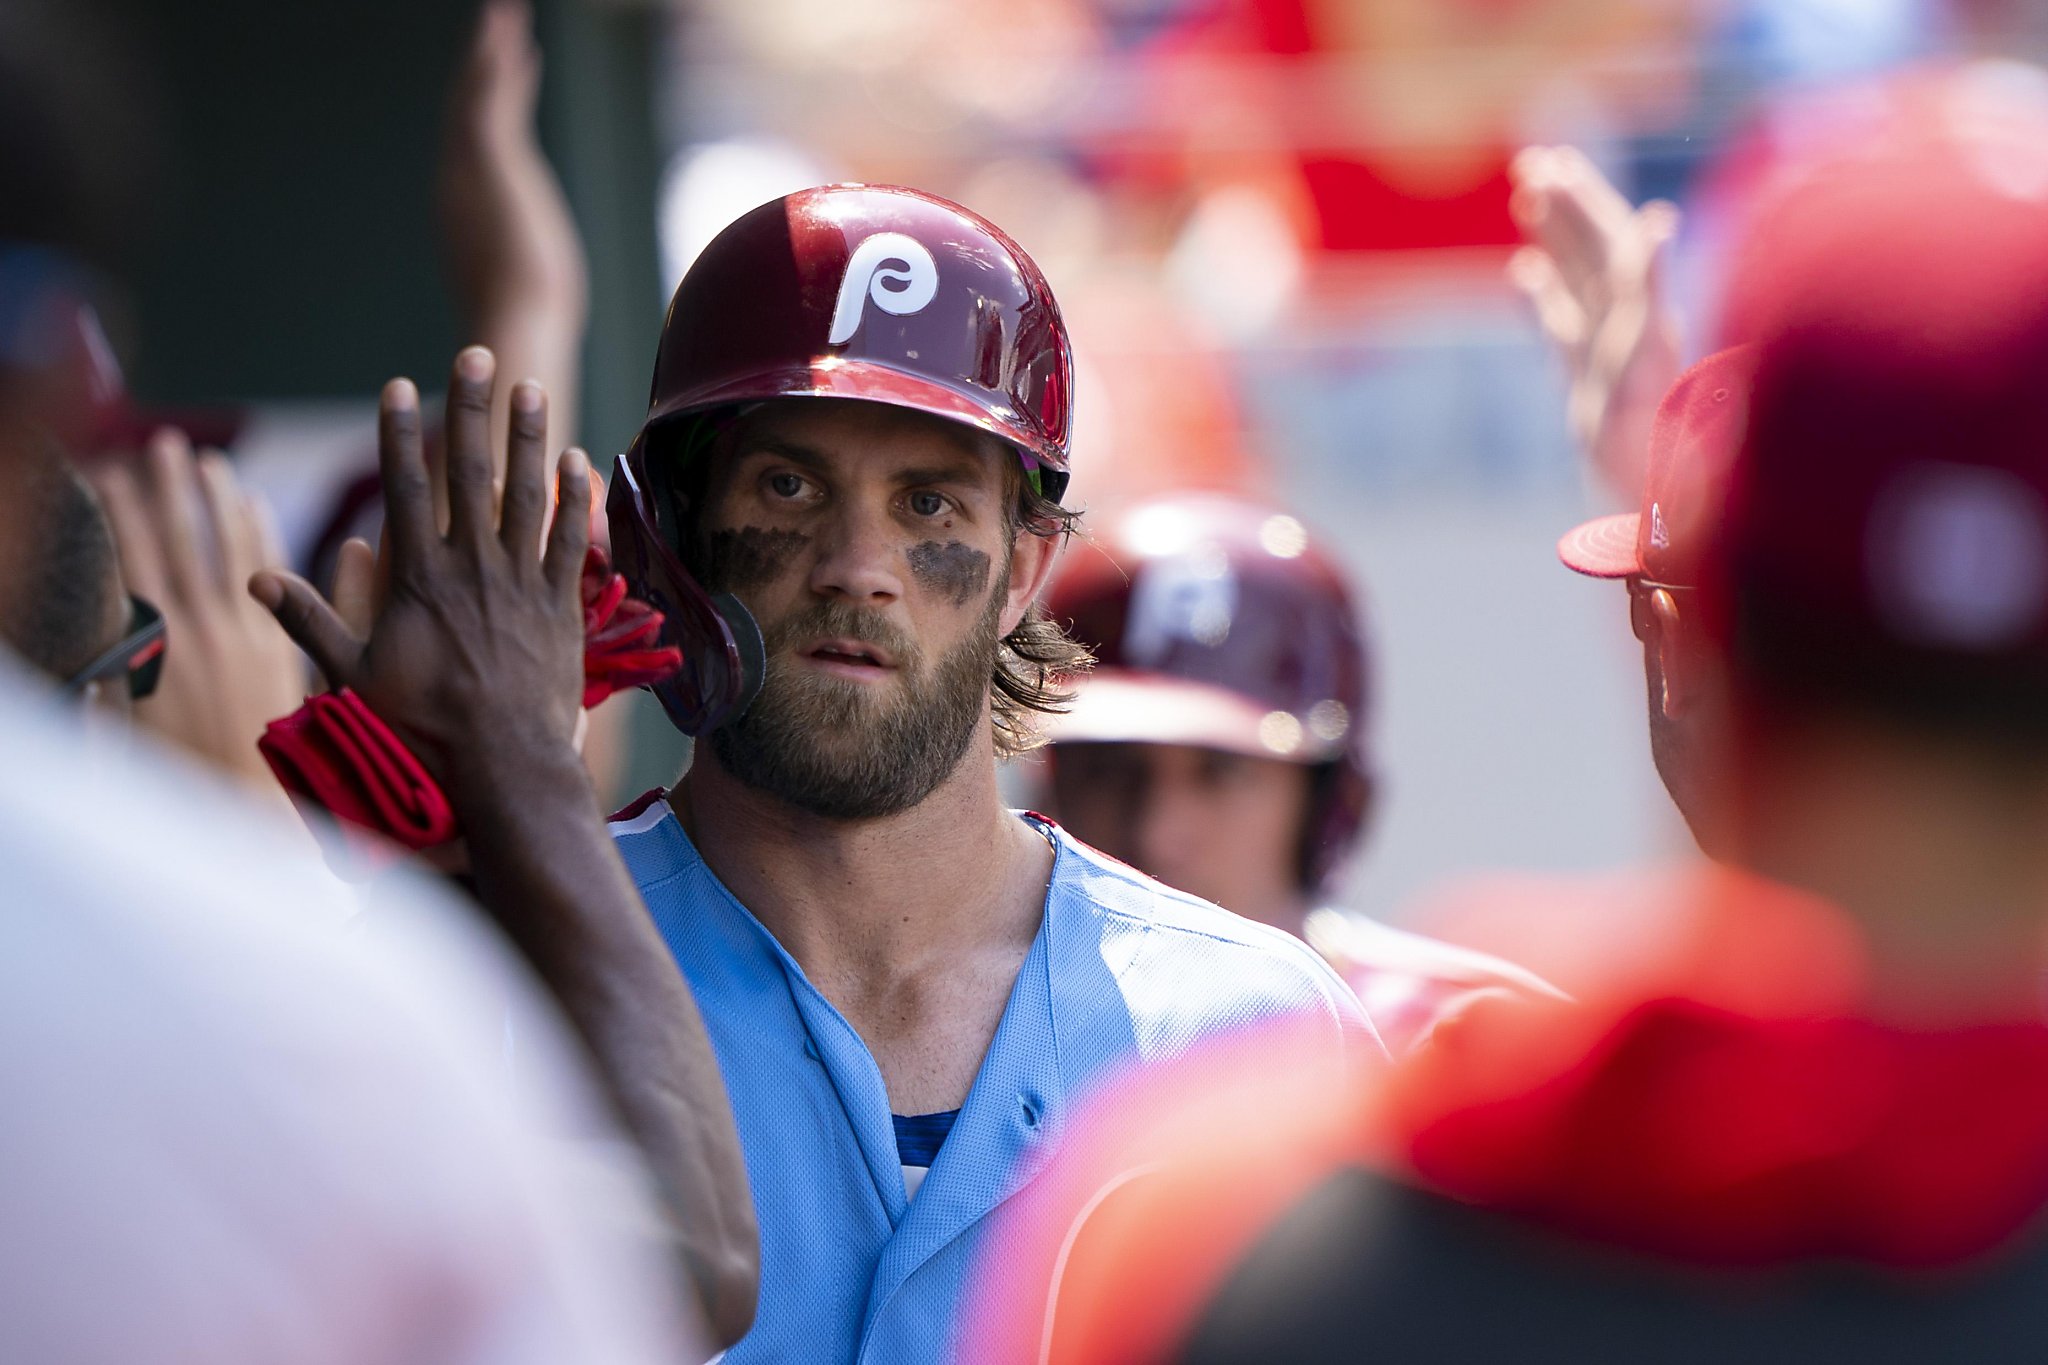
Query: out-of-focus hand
[[475, 654], [189, 537], [515, 262], [504, 220], [1594, 271]]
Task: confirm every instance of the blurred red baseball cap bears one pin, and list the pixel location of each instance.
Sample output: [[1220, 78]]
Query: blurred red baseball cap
[[1889, 505], [1692, 443]]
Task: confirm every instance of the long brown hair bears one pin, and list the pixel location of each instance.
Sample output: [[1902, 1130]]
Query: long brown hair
[[1036, 662]]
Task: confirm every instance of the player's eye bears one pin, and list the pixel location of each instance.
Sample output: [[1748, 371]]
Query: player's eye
[[927, 504], [785, 485]]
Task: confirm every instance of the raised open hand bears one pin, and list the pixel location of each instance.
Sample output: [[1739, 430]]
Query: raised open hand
[[514, 258], [1593, 270], [505, 222], [189, 538], [475, 654]]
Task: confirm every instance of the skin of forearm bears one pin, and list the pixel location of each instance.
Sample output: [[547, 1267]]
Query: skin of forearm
[[547, 869]]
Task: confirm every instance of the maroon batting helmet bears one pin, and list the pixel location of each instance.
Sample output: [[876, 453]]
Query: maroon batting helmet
[[1218, 622], [869, 292]]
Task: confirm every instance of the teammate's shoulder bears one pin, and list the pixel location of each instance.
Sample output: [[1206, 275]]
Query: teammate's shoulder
[[1114, 888], [1245, 969], [1356, 941]]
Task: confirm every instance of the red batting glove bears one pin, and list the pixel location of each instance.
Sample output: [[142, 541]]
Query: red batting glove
[[619, 634]]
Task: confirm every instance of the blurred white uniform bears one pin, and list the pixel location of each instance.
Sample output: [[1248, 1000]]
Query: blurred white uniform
[[1411, 985], [232, 1132]]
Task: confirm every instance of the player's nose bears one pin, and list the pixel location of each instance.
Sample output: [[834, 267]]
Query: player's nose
[[859, 556]]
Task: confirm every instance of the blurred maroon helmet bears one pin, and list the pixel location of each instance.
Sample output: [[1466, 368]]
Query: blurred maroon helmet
[[1217, 622], [868, 292]]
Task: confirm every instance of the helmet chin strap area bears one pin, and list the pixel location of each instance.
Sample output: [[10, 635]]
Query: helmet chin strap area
[[752, 648]]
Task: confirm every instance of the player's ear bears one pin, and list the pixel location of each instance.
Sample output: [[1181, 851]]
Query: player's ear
[[1668, 636], [1033, 553]]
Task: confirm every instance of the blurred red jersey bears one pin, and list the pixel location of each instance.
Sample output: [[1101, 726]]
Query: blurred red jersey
[[1722, 1155]]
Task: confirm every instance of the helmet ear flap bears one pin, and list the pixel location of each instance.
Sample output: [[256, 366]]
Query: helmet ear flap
[[675, 472], [724, 662]]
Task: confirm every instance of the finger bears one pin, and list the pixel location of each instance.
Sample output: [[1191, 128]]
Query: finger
[[227, 512], [1583, 221], [355, 585], [1529, 182], [466, 436], [1557, 311], [506, 47], [1658, 221], [408, 497], [270, 551], [600, 527], [1590, 191], [526, 471], [171, 499], [1634, 291], [142, 561], [570, 534], [311, 623]]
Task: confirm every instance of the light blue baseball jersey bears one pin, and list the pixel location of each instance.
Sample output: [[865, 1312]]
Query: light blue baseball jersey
[[1122, 971]]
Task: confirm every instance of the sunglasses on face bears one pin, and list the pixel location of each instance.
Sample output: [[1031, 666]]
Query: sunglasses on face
[[139, 654]]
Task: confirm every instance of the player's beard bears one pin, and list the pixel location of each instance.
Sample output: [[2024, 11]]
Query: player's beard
[[850, 751]]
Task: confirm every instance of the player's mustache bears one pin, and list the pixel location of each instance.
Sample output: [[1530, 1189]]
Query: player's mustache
[[848, 622]]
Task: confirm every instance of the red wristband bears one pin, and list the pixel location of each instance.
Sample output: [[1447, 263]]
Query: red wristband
[[335, 753]]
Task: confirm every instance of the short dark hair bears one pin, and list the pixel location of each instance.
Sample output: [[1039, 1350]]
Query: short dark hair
[[1038, 662], [1792, 664]]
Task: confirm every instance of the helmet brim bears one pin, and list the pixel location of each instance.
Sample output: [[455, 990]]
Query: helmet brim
[[874, 382], [1124, 706]]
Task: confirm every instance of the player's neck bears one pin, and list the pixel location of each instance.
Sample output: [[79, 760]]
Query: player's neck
[[955, 873], [1940, 861]]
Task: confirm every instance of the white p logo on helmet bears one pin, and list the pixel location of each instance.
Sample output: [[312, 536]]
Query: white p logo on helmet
[[893, 270]]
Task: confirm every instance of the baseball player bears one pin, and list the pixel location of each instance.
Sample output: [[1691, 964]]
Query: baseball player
[[845, 502], [1802, 1118], [1221, 743]]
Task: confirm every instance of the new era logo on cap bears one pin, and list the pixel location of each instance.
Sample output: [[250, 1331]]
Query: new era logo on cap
[[1693, 441]]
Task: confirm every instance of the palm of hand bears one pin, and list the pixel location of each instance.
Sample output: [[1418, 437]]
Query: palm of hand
[[189, 537], [475, 654], [460, 654]]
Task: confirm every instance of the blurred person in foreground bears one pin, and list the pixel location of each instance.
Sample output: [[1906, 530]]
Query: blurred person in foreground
[[64, 609], [235, 1134], [845, 501], [1222, 741], [1806, 1115], [262, 1140]]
